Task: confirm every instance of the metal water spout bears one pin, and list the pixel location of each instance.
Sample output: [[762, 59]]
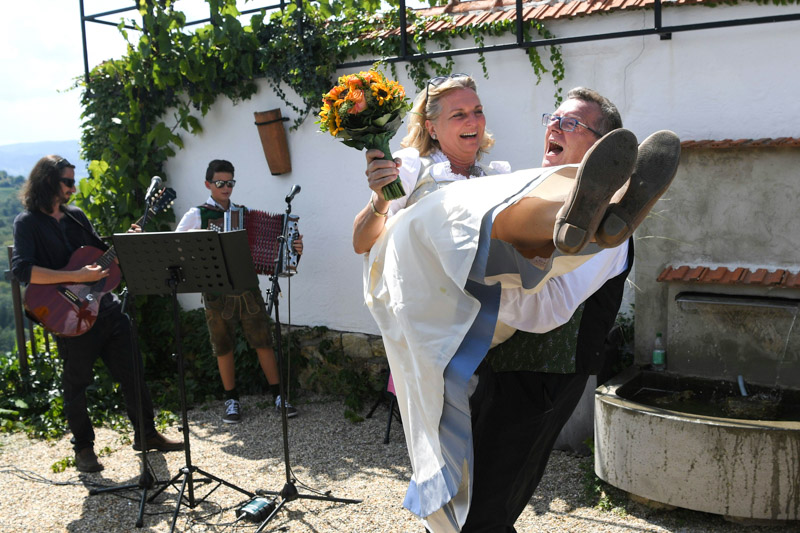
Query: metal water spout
[[742, 388]]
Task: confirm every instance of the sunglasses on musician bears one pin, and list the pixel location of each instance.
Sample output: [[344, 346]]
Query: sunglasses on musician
[[221, 183], [69, 182]]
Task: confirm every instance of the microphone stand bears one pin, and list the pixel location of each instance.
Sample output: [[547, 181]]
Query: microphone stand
[[289, 491]]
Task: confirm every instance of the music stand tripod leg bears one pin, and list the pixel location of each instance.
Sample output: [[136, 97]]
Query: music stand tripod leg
[[187, 472]]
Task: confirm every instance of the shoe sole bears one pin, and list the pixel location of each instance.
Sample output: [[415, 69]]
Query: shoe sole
[[656, 166], [605, 168], [89, 470], [138, 448], [231, 421]]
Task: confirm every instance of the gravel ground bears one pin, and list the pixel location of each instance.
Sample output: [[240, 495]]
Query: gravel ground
[[326, 453]]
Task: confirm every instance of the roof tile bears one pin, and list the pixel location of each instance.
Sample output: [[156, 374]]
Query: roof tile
[[781, 142], [763, 277]]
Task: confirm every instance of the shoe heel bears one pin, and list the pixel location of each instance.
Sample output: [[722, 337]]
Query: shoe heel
[[571, 239], [610, 229]]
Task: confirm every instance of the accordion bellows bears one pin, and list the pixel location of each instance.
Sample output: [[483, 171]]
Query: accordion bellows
[[263, 230]]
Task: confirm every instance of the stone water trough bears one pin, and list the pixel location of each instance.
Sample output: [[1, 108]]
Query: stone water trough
[[729, 447]]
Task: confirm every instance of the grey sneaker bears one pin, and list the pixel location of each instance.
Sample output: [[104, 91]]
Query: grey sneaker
[[233, 412], [86, 461], [291, 412]]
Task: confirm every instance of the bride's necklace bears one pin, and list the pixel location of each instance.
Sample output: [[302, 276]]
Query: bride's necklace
[[464, 170], [469, 171]]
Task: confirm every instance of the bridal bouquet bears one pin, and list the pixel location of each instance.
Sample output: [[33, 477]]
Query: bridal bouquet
[[365, 110]]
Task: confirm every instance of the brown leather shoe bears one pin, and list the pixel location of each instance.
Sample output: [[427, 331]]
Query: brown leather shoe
[[161, 443], [86, 461]]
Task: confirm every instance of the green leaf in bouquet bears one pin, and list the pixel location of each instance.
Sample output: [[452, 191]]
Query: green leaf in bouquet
[[382, 120], [353, 143], [394, 124]]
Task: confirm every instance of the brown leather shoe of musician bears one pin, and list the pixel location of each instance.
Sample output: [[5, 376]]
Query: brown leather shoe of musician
[[86, 461], [160, 443]]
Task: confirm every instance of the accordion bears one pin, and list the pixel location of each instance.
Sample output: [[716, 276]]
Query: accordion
[[263, 230]]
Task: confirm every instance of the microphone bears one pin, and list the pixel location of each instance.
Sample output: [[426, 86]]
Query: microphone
[[155, 185], [292, 193]]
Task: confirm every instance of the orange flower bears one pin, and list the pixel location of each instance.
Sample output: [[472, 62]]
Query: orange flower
[[334, 93], [354, 82], [369, 76], [359, 102]]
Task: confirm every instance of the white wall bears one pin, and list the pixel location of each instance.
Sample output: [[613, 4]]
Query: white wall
[[711, 84]]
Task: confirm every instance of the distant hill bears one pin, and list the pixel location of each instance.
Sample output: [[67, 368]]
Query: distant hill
[[18, 159]]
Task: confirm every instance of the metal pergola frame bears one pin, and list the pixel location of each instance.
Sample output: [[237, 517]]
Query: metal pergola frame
[[665, 32]]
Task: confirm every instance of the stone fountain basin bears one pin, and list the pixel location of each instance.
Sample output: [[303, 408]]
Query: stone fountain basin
[[679, 453]]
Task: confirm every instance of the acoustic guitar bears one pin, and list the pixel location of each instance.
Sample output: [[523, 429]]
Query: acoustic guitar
[[70, 309]]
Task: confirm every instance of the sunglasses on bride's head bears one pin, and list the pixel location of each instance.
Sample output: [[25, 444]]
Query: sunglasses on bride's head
[[438, 80]]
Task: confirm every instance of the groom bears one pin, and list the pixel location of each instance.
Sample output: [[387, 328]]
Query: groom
[[531, 384]]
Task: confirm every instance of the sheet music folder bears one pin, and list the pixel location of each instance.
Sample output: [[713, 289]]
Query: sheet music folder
[[206, 260]]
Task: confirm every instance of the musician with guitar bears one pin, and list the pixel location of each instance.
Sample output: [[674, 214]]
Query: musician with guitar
[[223, 311], [50, 238]]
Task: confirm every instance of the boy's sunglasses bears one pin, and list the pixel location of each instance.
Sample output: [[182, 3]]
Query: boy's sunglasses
[[221, 183]]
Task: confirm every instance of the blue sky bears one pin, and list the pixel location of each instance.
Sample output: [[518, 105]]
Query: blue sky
[[41, 54]]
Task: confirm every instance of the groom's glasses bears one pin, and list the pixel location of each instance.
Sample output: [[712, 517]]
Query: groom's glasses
[[566, 123]]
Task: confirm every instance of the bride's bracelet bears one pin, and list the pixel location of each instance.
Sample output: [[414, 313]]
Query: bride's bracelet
[[375, 211]]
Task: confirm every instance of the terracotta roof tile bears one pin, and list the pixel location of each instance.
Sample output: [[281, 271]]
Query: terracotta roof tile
[[713, 275], [725, 144], [733, 276], [582, 7], [756, 277], [792, 280], [494, 16], [762, 277], [550, 9]]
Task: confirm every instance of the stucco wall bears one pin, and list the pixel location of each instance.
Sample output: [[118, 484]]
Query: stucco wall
[[731, 208], [721, 83]]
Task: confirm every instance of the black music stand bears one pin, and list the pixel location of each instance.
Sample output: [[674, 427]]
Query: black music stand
[[186, 262], [289, 491]]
